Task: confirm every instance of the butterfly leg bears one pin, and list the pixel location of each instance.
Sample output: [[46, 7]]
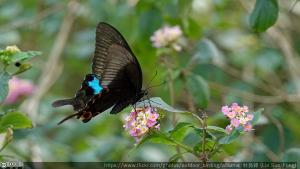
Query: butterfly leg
[[134, 108], [149, 101]]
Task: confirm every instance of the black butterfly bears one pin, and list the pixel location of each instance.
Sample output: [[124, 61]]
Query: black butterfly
[[116, 79]]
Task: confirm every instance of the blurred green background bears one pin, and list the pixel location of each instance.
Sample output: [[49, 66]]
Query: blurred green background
[[237, 64]]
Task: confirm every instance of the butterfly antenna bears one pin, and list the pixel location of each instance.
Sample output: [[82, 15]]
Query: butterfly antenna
[[162, 83], [152, 78]]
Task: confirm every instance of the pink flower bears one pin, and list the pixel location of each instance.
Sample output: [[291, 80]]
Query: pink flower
[[235, 107], [249, 117], [17, 88], [133, 132], [167, 36], [245, 109], [231, 114], [140, 121], [150, 123], [235, 122], [225, 110], [247, 127], [229, 128], [239, 116]]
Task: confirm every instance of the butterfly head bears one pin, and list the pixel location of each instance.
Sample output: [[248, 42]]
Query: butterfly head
[[141, 94], [144, 93]]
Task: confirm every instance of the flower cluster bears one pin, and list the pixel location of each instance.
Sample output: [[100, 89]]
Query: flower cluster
[[167, 36], [140, 120], [239, 116], [13, 49], [18, 87]]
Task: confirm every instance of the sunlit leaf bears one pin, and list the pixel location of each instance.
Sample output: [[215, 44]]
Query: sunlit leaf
[[216, 128], [264, 15], [15, 120], [158, 103], [24, 55], [24, 67], [199, 89], [4, 78]]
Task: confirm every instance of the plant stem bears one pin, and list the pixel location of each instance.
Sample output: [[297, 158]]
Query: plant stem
[[203, 155], [197, 117], [171, 88], [188, 149], [172, 95]]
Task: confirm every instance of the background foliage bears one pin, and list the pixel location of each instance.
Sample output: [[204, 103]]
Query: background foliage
[[232, 56]]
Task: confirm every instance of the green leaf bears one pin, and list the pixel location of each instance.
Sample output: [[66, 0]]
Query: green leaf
[[15, 120], [257, 115], [216, 128], [209, 146], [199, 89], [24, 67], [24, 55], [180, 131], [154, 137], [208, 135], [4, 77], [158, 103], [230, 138], [264, 15]]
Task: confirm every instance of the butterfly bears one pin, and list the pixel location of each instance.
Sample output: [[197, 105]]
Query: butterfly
[[115, 81]]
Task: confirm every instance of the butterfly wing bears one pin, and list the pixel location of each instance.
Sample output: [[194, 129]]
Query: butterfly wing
[[118, 68], [106, 37], [123, 75], [84, 95]]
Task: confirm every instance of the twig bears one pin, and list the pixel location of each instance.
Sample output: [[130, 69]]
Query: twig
[[52, 70], [287, 49], [270, 154], [289, 54], [293, 5], [253, 97], [23, 23]]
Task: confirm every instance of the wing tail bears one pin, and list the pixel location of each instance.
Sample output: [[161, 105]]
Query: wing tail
[[63, 102]]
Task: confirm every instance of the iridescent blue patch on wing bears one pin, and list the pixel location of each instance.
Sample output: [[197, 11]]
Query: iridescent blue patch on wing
[[95, 85]]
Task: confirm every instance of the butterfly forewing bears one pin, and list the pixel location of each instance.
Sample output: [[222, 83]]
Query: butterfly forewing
[[106, 36], [121, 71]]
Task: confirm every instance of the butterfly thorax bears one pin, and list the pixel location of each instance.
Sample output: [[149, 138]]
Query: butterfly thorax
[[139, 95]]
